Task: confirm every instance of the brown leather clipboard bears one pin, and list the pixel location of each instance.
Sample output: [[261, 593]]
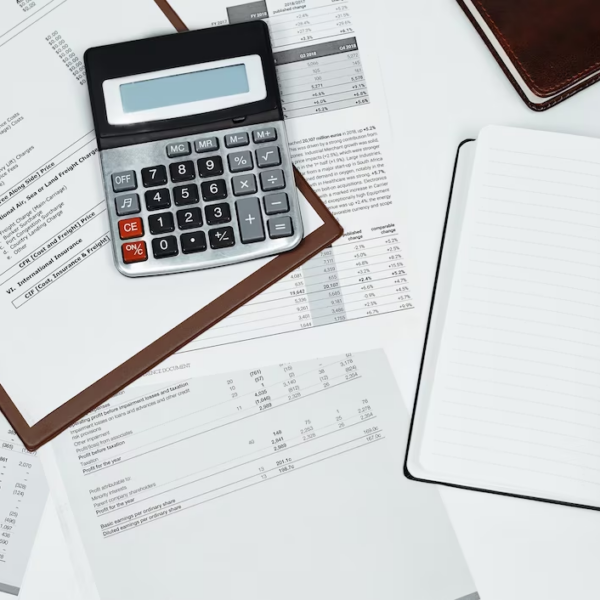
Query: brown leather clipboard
[[74, 409]]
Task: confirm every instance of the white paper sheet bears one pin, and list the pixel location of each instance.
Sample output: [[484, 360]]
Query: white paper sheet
[[279, 481], [23, 495], [359, 293], [67, 314]]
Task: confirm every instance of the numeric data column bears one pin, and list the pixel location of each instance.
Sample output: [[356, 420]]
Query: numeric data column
[[323, 289]]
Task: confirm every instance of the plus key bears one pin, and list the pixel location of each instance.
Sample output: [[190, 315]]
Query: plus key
[[250, 220]]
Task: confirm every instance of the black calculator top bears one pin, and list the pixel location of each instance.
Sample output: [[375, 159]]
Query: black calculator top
[[173, 54]]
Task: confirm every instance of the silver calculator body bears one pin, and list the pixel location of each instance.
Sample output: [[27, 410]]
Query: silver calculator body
[[195, 159]]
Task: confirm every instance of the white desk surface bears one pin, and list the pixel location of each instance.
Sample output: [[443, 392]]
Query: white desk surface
[[443, 86]]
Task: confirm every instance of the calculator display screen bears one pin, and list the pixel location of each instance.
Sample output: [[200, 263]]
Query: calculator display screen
[[184, 88], [187, 90]]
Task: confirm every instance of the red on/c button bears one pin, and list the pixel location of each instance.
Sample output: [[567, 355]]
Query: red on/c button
[[131, 228], [134, 252]]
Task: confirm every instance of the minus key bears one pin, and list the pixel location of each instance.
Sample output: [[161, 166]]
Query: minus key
[[276, 204]]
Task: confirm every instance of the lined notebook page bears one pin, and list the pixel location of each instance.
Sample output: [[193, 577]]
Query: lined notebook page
[[515, 403]]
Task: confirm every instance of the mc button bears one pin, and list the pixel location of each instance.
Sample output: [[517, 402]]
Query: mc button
[[131, 228]]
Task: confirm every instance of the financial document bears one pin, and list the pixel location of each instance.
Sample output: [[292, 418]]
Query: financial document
[[23, 495], [56, 266], [337, 122], [277, 481]]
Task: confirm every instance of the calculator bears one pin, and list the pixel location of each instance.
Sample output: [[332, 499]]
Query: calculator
[[195, 160]]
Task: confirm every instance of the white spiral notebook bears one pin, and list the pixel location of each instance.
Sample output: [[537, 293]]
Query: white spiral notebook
[[509, 391]]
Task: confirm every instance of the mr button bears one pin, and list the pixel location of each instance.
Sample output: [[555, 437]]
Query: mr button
[[131, 228]]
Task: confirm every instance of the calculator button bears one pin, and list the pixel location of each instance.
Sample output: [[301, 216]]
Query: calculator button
[[182, 171], [134, 252], [221, 237], [161, 223], [186, 194], [177, 149], [190, 218], [153, 176], [217, 214], [235, 140], [207, 144], [243, 184], [266, 134], [127, 205], [250, 220], [276, 204], [165, 247], [193, 242], [280, 227], [272, 180], [268, 157], [210, 167], [157, 199], [214, 190], [131, 228], [124, 181], [240, 161]]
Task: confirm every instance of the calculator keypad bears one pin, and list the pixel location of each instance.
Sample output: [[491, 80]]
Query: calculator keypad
[[208, 200]]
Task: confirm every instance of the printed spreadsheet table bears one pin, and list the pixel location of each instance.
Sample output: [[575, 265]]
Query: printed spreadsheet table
[[317, 57], [362, 276]]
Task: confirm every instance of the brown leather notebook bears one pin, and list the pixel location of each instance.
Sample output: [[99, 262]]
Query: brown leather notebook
[[549, 49], [37, 434]]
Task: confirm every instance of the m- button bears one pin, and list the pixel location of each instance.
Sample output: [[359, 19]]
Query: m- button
[[235, 140], [177, 149], [124, 181], [131, 228]]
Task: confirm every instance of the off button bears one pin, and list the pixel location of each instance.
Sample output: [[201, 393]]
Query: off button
[[124, 181]]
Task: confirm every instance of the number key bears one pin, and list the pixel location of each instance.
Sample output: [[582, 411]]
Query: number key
[[210, 167], [161, 223], [186, 194], [182, 171], [214, 190], [190, 218], [158, 199], [153, 176], [217, 214], [165, 247]]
